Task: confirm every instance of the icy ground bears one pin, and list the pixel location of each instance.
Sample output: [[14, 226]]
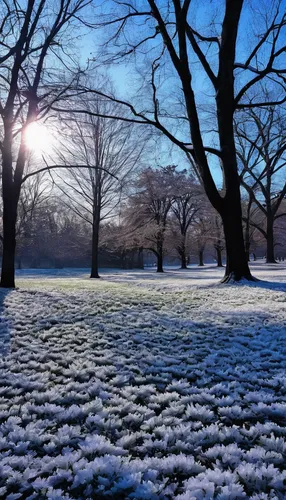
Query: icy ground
[[141, 386]]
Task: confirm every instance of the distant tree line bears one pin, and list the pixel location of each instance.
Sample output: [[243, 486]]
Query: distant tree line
[[163, 217]]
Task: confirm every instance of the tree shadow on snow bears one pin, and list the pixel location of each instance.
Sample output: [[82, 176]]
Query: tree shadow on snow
[[270, 285], [242, 348], [4, 323]]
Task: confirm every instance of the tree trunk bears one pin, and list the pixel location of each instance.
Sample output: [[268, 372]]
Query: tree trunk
[[159, 254], [236, 261], [184, 262], [11, 185], [230, 209], [201, 258], [160, 263], [247, 241], [270, 257], [9, 241], [140, 261], [218, 257], [123, 259], [95, 242], [159, 251], [183, 256], [19, 262]]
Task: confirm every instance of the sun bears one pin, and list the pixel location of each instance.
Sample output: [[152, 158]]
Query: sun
[[38, 138]]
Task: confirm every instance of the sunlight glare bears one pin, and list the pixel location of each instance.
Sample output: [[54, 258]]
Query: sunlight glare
[[38, 138]]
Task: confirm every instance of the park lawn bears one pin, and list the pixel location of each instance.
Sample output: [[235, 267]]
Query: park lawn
[[141, 386]]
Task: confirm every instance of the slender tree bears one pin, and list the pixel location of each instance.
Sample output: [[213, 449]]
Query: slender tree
[[201, 234], [110, 156], [185, 206], [218, 238], [149, 209]]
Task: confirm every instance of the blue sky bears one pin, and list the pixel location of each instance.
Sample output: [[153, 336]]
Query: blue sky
[[204, 15]]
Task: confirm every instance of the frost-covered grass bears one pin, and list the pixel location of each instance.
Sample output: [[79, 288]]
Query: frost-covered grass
[[139, 386]]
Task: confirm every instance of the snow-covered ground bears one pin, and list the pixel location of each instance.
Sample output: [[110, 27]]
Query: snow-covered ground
[[141, 386]]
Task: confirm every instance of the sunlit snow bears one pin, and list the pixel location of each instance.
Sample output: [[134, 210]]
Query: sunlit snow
[[141, 386]]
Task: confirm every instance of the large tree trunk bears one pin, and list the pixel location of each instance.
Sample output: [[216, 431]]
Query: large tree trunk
[[270, 257], [10, 196], [236, 261], [95, 241], [11, 188], [201, 258], [9, 242]]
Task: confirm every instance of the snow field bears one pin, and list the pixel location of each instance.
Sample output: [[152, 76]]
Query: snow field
[[136, 387]]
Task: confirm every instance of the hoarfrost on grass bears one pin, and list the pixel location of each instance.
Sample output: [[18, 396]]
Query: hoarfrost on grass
[[141, 388]]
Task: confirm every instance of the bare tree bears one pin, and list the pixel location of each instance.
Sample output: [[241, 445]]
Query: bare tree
[[110, 156], [261, 150], [149, 207], [201, 234], [34, 193], [218, 238], [252, 218], [35, 37], [185, 206]]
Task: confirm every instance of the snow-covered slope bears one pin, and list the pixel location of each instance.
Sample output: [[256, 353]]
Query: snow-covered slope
[[145, 387]]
